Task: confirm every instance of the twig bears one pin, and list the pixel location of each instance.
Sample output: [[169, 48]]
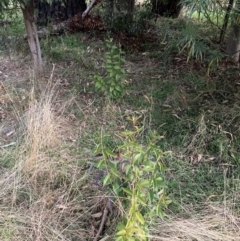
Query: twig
[[104, 217], [10, 144]]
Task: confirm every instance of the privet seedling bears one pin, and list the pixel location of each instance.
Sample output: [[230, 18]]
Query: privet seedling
[[112, 84], [135, 177]]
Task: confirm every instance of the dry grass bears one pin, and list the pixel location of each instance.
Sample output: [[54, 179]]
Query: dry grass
[[41, 134], [213, 223], [43, 197]]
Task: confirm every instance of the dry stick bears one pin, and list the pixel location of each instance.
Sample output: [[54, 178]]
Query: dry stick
[[91, 5], [104, 217]]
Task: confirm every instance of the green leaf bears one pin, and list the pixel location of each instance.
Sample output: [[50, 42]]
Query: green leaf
[[107, 56], [140, 217], [167, 201], [148, 169], [118, 88], [128, 168], [115, 172], [109, 152], [117, 67], [128, 191], [123, 71], [121, 232], [101, 163], [98, 85], [154, 180], [107, 180], [138, 158], [114, 47], [160, 211], [115, 93], [109, 66], [131, 239], [116, 187], [117, 77], [150, 196], [142, 200], [109, 61], [144, 183], [119, 238]]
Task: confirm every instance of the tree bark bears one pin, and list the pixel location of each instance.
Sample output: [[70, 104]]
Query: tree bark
[[130, 9], [226, 19], [233, 46], [166, 8], [32, 35]]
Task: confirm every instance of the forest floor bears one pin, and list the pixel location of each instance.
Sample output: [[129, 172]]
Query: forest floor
[[51, 125]]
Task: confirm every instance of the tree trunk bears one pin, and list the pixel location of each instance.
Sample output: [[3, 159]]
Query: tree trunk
[[58, 11], [130, 9], [233, 46], [226, 19], [166, 8], [33, 41]]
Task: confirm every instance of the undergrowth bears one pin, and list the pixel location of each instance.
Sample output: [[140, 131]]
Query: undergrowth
[[50, 188]]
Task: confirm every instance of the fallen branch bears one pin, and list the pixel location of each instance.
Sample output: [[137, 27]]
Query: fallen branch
[[91, 5], [103, 221]]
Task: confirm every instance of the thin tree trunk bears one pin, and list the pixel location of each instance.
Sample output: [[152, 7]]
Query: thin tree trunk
[[233, 46], [33, 41], [226, 19], [130, 9]]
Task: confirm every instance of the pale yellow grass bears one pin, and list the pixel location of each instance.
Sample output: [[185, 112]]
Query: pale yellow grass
[[42, 131], [38, 194], [213, 223]]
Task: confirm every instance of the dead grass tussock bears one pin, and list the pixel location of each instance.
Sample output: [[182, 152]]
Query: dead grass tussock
[[41, 196], [41, 132], [214, 223]]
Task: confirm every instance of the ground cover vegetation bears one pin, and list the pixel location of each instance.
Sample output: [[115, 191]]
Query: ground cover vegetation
[[130, 128]]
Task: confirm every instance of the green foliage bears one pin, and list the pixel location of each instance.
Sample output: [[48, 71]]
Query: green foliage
[[191, 39], [192, 42], [116, 17], [136, 179], [112, 84]]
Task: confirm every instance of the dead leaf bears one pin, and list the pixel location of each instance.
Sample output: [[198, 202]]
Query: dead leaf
[[60, 206], [97, 215], [2, 88], [195, 158]]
